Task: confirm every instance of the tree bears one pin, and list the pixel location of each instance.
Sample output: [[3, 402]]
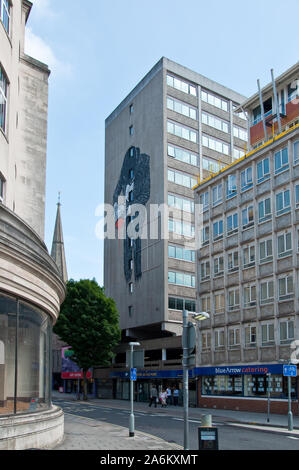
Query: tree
[[89, 323]]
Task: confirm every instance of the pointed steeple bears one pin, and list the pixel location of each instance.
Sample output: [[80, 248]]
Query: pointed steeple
[[57, 251]]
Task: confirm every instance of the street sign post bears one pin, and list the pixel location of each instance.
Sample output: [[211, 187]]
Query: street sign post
[[290, 371], [133, 374]]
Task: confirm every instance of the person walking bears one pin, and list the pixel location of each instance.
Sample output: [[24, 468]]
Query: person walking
[[153, 396], [169, 396], [175, 396], [163, 396]]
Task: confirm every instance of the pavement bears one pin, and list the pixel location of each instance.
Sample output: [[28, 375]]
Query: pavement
[[89, 434]]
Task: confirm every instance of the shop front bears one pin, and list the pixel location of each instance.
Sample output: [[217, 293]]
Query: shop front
[[246, 388]]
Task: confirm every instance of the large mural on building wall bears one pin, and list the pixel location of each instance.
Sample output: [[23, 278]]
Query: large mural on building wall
[[133, 187]]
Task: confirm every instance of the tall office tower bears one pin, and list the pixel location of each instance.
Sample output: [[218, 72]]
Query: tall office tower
[[248, 263], [174, 127], [31, 288]]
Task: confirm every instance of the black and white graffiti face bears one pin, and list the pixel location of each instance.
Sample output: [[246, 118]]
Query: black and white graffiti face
[[133, 188]]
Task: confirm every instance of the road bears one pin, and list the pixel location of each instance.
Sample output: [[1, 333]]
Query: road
[[171, 428]]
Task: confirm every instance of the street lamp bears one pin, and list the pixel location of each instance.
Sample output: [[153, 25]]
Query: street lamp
[[131, 420], [189, 338]]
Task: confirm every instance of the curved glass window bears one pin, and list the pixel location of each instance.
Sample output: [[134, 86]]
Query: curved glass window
[[25, 348]]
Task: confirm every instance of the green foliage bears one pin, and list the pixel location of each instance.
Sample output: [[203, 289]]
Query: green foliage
[[89, 323]]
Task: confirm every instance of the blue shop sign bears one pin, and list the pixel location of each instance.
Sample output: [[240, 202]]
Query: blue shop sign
[[153, 374], [261, 369]]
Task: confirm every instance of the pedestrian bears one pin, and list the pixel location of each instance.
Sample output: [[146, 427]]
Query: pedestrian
[[169, 396], [163, 396], [175, 396], [153, 396]]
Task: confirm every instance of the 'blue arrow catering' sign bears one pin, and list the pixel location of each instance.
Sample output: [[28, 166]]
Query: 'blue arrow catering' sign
[[290, 371]]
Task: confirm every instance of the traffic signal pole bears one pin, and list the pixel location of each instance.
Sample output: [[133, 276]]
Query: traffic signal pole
[[185, 379]]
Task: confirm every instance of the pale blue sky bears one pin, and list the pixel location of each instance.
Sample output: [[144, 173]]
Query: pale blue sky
[[99, 50]]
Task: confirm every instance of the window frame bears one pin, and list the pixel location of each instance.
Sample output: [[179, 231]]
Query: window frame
[[283, 166]]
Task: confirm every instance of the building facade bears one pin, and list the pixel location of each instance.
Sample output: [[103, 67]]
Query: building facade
[[31, 289], [174, 127], [247, 264]]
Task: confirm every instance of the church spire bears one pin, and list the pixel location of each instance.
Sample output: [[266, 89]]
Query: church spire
[[57, 251]]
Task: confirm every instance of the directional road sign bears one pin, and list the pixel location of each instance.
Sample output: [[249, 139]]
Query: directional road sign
[[133, 374], [289, 371]]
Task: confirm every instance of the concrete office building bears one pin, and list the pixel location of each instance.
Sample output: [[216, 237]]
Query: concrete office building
[[247, 266], [31, 289], [175, 126]]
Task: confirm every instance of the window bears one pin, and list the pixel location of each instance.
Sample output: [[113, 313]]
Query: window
[[246, 179], [281, 160], [267, 291], [178, 252], [267, 334], [283, 203], [249, 296], [131, 130], [264, 210], [181, 279], [210, 165], [130, 310], [286, 331], [205, 235], [181, 85], [3, 98], [257, 115], [131, 151], [240, 133], [213, 144], [238, 153], [249, 256], [131, 196], [217, 194], [233, 261], [214, 100], [218, 230], [181, 108], [219, 302], [218, 266], [232, 223], [181, 304], [266, 253], [284, 244], [182, 131], [215, 122], [296, 152], [182, 155], [234, 337], [297, 195], [285, 287], [219, 338], [263, 170], [181, 178], [204, 200], [131, 287], [205, 303], [206, 340], [293, 90], [233, 299], [250, 335], [231, 186], [131, 108], [247, 217], [5, 14], [180, 203], [205, 270], [1, 188]]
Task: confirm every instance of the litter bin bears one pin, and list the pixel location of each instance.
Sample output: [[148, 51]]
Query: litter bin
[[207, 438]]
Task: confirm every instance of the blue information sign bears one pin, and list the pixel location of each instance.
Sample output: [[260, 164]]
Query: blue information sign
[[133, 374], [290, 371]]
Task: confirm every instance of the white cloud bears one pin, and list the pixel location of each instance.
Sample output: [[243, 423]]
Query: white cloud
[[42, 8], [37, 48]]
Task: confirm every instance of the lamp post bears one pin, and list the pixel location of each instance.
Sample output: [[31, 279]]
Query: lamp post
[[132, 420], [188, 340]]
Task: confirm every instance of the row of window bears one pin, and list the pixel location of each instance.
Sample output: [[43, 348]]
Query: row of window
[[175, 303], [285, 291], [181, 108], [181, 253], [3, 98], [181, 178], [181, 228], [5, 14], [182, 155], [181, 203], [264, 212], [247, 257], [181, 279], [250, 335]]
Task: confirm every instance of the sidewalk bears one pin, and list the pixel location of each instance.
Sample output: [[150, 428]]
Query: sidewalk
[[85, 433]]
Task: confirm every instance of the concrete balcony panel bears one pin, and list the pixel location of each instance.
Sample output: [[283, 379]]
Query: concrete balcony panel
[[286, 307], [218, 283], [263, 187], [265, 269], [246, 196], [219, 356], [231, 241], [268, 353], [231, 204], [267, 311], [219, 319], [248, 274], [284, 264], [249, 314], [232, 279], [250, 355], [217, 246], [281, 179], [247, 235], [283, 221], [234, 355], [234, 317]]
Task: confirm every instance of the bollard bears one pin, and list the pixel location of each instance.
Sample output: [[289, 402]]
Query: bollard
[[206, 421]]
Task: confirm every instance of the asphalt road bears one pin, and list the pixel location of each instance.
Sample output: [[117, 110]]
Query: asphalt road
[[171, 428]]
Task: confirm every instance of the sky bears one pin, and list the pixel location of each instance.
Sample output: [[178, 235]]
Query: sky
[[99, 50]]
